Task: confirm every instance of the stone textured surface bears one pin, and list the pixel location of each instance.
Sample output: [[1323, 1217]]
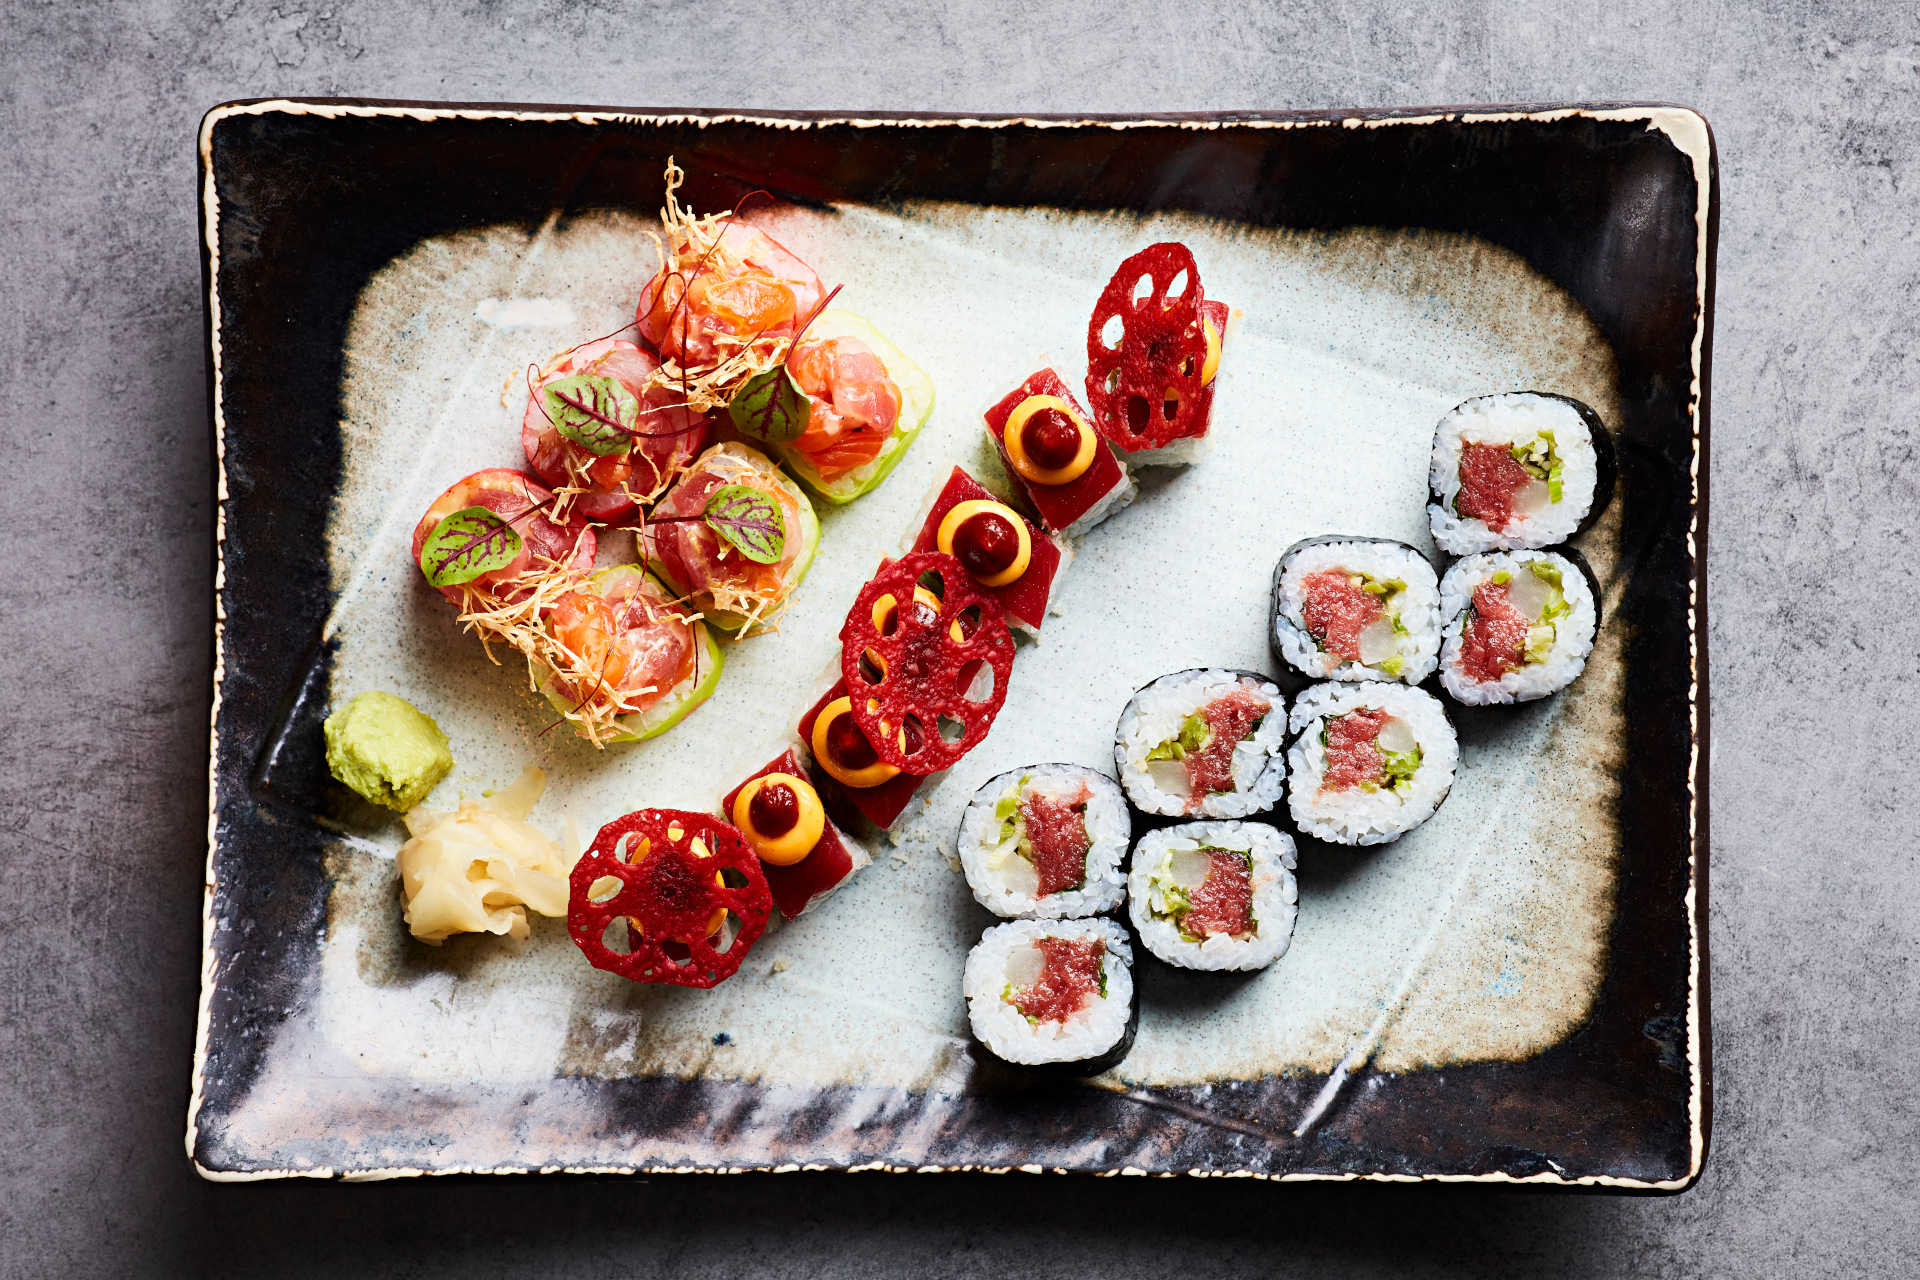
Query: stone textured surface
[[105, 628]]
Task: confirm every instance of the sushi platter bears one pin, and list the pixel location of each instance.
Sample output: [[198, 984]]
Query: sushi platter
[[1163, 646]]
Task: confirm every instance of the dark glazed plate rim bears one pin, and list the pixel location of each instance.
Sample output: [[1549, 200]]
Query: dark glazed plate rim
[[247, 991]]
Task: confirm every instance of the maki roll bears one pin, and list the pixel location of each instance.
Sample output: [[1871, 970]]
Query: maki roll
[[1055, 993], [1206, 741], [1516, 625], [1523, 469], [1214, 895], [1369, 762], [1356, 609], [1046, 841]]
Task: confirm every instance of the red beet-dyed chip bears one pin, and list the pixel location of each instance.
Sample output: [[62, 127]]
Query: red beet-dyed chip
[[1158, 355], [671, 890], [924, 674]]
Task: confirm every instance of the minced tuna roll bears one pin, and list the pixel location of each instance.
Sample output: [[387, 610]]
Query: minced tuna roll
[[1516, 625], [1214, 895], [1053, 993], [1207, 742], [1523, 469], [1046, 841], [1369, 762], [1356, 609]]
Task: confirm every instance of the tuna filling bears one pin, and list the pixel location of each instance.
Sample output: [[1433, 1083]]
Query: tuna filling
[[1371, 750], [1495, 488], [1069, 975]]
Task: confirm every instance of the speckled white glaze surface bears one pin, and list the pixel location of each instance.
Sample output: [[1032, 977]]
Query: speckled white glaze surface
[[1489, 923]]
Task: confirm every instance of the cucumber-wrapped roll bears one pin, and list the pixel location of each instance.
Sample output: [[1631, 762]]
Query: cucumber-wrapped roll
[[625, 661]]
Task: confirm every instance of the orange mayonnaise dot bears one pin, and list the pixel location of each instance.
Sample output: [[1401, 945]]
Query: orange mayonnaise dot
[[871, 774], [949, 534], [794, 844], [1013, 435]]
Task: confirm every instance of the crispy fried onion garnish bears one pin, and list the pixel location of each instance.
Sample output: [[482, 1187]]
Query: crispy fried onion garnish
[[692, 245]]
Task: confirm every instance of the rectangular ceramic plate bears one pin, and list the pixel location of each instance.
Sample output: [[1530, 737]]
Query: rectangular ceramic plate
[[1514, 991]]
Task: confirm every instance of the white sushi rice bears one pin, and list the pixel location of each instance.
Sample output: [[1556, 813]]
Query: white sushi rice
[[1155, 715], [1513, 418], [1572, 634], [1418, 609], [1004, 882], [1275, 895], [1187, 451], [1090, 1032], [1354, 816]]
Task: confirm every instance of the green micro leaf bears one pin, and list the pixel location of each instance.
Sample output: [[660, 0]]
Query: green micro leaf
[[1193, 736], [749, 520], [601, 415], [1194, 732], [468, 543], [771, 407]]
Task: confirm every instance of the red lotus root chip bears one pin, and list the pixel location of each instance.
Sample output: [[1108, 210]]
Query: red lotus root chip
[[673, 877], [1143, 372], [914, 668]]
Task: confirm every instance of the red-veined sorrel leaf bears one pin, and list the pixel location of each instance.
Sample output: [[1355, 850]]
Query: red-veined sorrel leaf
[[749, 520], [771, 407], [468, 543], [599, 414]]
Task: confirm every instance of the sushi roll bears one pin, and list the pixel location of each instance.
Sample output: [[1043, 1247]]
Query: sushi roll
[[1214, 895], [687, 552], [1053, 993], [1046, 841], [803, 852], [1064, 469], [1521, 470], [1004, 554], [1369, 762], [623, 659], [1516, 625], [1356, 609], [1206, 742], [1152, 357]]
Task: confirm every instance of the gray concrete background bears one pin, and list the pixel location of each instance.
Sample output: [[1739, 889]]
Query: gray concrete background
[[105, 630]]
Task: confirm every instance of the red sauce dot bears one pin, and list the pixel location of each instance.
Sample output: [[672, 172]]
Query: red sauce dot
[[986, 544], [849, 746], [1051, 439], [774, 809]]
